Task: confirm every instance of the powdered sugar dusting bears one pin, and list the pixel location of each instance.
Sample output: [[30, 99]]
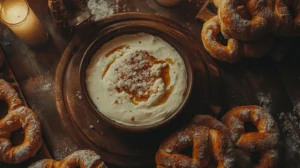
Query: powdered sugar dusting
[[101, 9], [88, 158], [184, 139], [296, 111], [4, 145], [210, 30], [138, 75], [290, 130], [238, 27], [264, 100]]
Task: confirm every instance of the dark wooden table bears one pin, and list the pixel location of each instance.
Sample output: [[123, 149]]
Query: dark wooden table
[[274, 85]]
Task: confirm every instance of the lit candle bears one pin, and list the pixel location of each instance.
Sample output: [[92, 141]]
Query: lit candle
[[19, 17], [168, 2]]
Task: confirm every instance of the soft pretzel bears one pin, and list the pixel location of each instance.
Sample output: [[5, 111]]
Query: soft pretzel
[[211, 29], [82, 159], [205, 142], [18, 117], [214, 124], [287, 17], [24, 118], [9, 95], [265, 140], [235, 26]]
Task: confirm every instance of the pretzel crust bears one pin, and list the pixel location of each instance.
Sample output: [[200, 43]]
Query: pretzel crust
[[207, 144], [210, 31], [18, 117], [81, 158], [287, 22], [235, 26], [265, 140]]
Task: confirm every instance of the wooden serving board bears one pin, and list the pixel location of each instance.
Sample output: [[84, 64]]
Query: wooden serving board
[[7, 74], [115, 146]]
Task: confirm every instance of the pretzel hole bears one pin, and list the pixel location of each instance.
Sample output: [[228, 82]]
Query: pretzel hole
[[17, 137], [3, 109], [188, 151], [221, 39], [249, 127], [255, 157]]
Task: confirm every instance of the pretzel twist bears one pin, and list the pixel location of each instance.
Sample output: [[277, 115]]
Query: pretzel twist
[[18, 117], [206, 143], [234, 49], [214, 124], [265, 140], [9, 95], [211, 29], [82, 159], [287, 17], [234, 25]]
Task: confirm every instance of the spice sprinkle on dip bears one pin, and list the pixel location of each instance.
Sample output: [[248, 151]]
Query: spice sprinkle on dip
[[136, 79]]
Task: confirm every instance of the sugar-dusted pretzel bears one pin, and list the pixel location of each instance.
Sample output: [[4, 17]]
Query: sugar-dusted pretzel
[[24, 118], [235, 26], [205, 143], [18, 116], [82, 159], [9, 95], [287, 17], [229, 53], [264, 141], [212, 123]]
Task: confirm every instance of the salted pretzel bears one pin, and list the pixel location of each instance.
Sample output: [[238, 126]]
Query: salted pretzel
[[229, 53], [9, 95], [236, 26], [24, 118], [82, 159], [264, 141], [18, 117], [212, 123], [205, 143], [287, 17]]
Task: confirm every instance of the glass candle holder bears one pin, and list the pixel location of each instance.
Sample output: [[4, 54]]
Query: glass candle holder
[[18, 16]]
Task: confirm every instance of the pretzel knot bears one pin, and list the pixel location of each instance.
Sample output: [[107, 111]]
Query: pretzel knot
[[234, 25], [230, 52], [18, 117], [82, 159], [264, 141], [234, 49], [205, 142], [287, 17]]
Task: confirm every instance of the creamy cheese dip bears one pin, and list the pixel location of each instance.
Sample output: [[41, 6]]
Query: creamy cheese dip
[[136, 79]]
